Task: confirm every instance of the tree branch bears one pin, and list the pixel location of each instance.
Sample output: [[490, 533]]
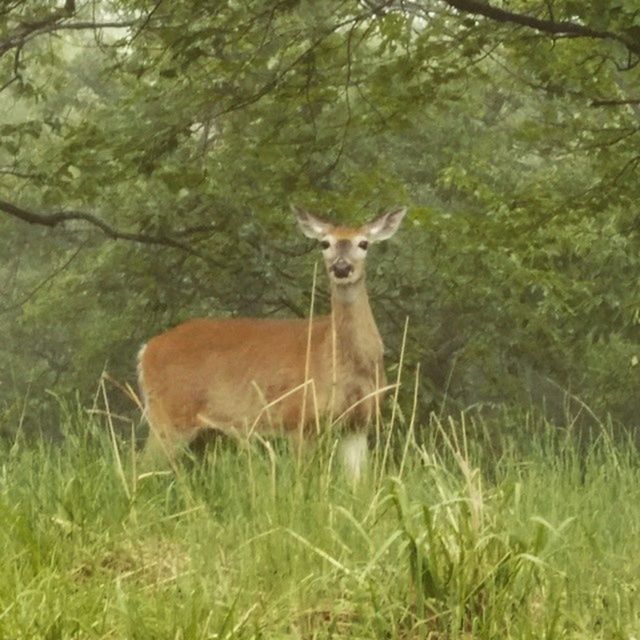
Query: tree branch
[[17, 174], [27, 29], [563, 27], [55, 21], [16, 69], [614, 103], [42, 283], [279, 76], [61, 217]]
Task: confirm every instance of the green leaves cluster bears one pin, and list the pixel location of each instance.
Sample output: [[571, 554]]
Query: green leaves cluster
[[516, 150]]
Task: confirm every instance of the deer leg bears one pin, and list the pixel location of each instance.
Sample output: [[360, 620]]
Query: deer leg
[[164, 441], [159, 451], [353, 450]]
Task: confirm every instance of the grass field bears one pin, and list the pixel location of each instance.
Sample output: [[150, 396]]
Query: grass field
[[506, 529]]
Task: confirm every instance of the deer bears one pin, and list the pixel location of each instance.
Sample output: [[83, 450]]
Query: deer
[[275, 376]]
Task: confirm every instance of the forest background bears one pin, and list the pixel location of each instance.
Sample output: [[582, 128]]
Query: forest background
[[150, 150]]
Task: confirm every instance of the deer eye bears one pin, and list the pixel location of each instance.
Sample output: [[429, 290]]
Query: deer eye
[[363, 244], [325, 244]]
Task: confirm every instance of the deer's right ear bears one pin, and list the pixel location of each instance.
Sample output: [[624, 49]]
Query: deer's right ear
[[311, 226]]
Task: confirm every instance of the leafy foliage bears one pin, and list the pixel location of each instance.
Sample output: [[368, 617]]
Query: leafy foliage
[[185, 129]]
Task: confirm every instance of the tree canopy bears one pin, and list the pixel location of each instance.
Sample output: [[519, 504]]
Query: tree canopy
[[150, 150]]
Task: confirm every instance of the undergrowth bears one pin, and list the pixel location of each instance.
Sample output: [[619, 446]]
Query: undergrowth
[[509, 528]]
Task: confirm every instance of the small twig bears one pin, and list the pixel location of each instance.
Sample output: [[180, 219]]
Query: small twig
[[44, 282]]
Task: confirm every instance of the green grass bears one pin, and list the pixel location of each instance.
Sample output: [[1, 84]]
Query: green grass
[[508, 529]]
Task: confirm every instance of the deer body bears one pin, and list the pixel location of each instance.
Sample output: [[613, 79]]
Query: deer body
[[273, 376]]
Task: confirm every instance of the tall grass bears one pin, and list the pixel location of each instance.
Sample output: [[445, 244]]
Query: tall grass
[[504, 529]]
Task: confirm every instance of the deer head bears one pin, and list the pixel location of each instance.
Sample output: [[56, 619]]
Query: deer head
[[344, 249]]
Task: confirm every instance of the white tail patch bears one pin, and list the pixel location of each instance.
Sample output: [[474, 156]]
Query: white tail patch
[[354, 453], [141, 385]]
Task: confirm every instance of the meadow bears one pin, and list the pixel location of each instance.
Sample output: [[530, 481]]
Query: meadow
[[150, 152], [508, 527]]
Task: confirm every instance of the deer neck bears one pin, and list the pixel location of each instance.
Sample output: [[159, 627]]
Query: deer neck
[[357, 339]]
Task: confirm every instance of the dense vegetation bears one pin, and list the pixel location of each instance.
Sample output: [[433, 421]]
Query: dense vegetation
[[149, 152], [457, 538]]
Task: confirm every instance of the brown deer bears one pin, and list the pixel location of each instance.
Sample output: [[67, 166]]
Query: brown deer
[[249, 375]]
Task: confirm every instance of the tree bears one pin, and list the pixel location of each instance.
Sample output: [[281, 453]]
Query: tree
[[150, 181]]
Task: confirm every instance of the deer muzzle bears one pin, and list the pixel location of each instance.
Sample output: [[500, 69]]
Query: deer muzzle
[[341, 268]]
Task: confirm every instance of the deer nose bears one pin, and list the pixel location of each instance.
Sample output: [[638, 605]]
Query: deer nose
[[341, 268]]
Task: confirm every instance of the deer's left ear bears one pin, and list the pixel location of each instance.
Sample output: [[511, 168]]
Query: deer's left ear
[[386, 225]]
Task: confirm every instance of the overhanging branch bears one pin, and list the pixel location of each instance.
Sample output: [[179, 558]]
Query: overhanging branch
[[59, 218], [553, 27], [28, 28], [56, 21]]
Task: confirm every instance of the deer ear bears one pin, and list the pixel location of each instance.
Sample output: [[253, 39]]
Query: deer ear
[[386, 225], [311, 226]]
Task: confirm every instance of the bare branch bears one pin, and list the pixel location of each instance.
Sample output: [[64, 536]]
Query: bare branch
[[59, 218], [563, 27], [146, 20], [16, 70], [76, 26], [27, 29], [57, 21], [614, 103], [43, 283], [17, 174]]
